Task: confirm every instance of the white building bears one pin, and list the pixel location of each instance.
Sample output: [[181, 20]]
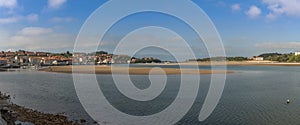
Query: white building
[[258, 58], [297, 53]]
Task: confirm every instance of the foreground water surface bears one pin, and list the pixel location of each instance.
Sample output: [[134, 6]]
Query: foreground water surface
[[252, 95]]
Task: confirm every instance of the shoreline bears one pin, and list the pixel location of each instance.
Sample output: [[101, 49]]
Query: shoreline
[[101, 69], [232, 63], [11, 114], [126, 70]]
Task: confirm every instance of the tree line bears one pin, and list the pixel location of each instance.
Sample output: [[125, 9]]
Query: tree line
[[288, 57], [239, 58]]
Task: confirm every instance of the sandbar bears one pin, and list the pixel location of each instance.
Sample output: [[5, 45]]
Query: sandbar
[[128, 70]]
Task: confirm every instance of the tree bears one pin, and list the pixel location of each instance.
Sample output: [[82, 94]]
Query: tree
[[266, 55], [297, 58], [292, 58]]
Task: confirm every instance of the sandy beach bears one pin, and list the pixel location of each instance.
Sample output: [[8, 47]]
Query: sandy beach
[[125, 70], [100, 69], [235, 63], [252, 63]]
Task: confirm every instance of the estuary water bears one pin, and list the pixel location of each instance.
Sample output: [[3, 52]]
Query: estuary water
[[253, 95]]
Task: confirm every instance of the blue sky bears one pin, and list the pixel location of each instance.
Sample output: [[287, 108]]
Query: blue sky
[[247, 28]]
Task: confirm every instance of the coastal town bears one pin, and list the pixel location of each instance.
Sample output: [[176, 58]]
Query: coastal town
[[27, 59], [23, 58]]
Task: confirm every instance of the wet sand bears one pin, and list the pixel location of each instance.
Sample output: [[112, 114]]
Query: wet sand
[[255, 63], [125, 70], [259, 63], [235, 63]]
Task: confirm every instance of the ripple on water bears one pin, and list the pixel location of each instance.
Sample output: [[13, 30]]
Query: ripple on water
[[256, 97]]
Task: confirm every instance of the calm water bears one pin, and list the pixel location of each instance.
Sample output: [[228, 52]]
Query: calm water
[[252, 95]]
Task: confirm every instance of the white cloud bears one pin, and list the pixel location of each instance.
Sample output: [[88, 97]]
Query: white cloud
[[8, 3], [9, 20], [271, 16], [253, 12], [283, 7], [62, 19], [235, 7], [36, 38], [55, 4], [34, 31], [18, 18]]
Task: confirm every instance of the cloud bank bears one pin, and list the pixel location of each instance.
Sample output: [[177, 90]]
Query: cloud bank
[[277, 8], [8, 3], [37, 38]]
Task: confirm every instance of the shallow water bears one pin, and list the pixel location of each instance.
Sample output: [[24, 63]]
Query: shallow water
[[252, 95]]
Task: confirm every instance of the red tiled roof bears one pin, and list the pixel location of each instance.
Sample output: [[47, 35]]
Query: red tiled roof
[[20, 53], [10, 53]]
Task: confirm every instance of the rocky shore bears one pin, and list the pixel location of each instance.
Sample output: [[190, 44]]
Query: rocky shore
[[2, 69], [13, 114]]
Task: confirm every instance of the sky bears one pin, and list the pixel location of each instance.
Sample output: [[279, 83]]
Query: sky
[[247, 28]]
